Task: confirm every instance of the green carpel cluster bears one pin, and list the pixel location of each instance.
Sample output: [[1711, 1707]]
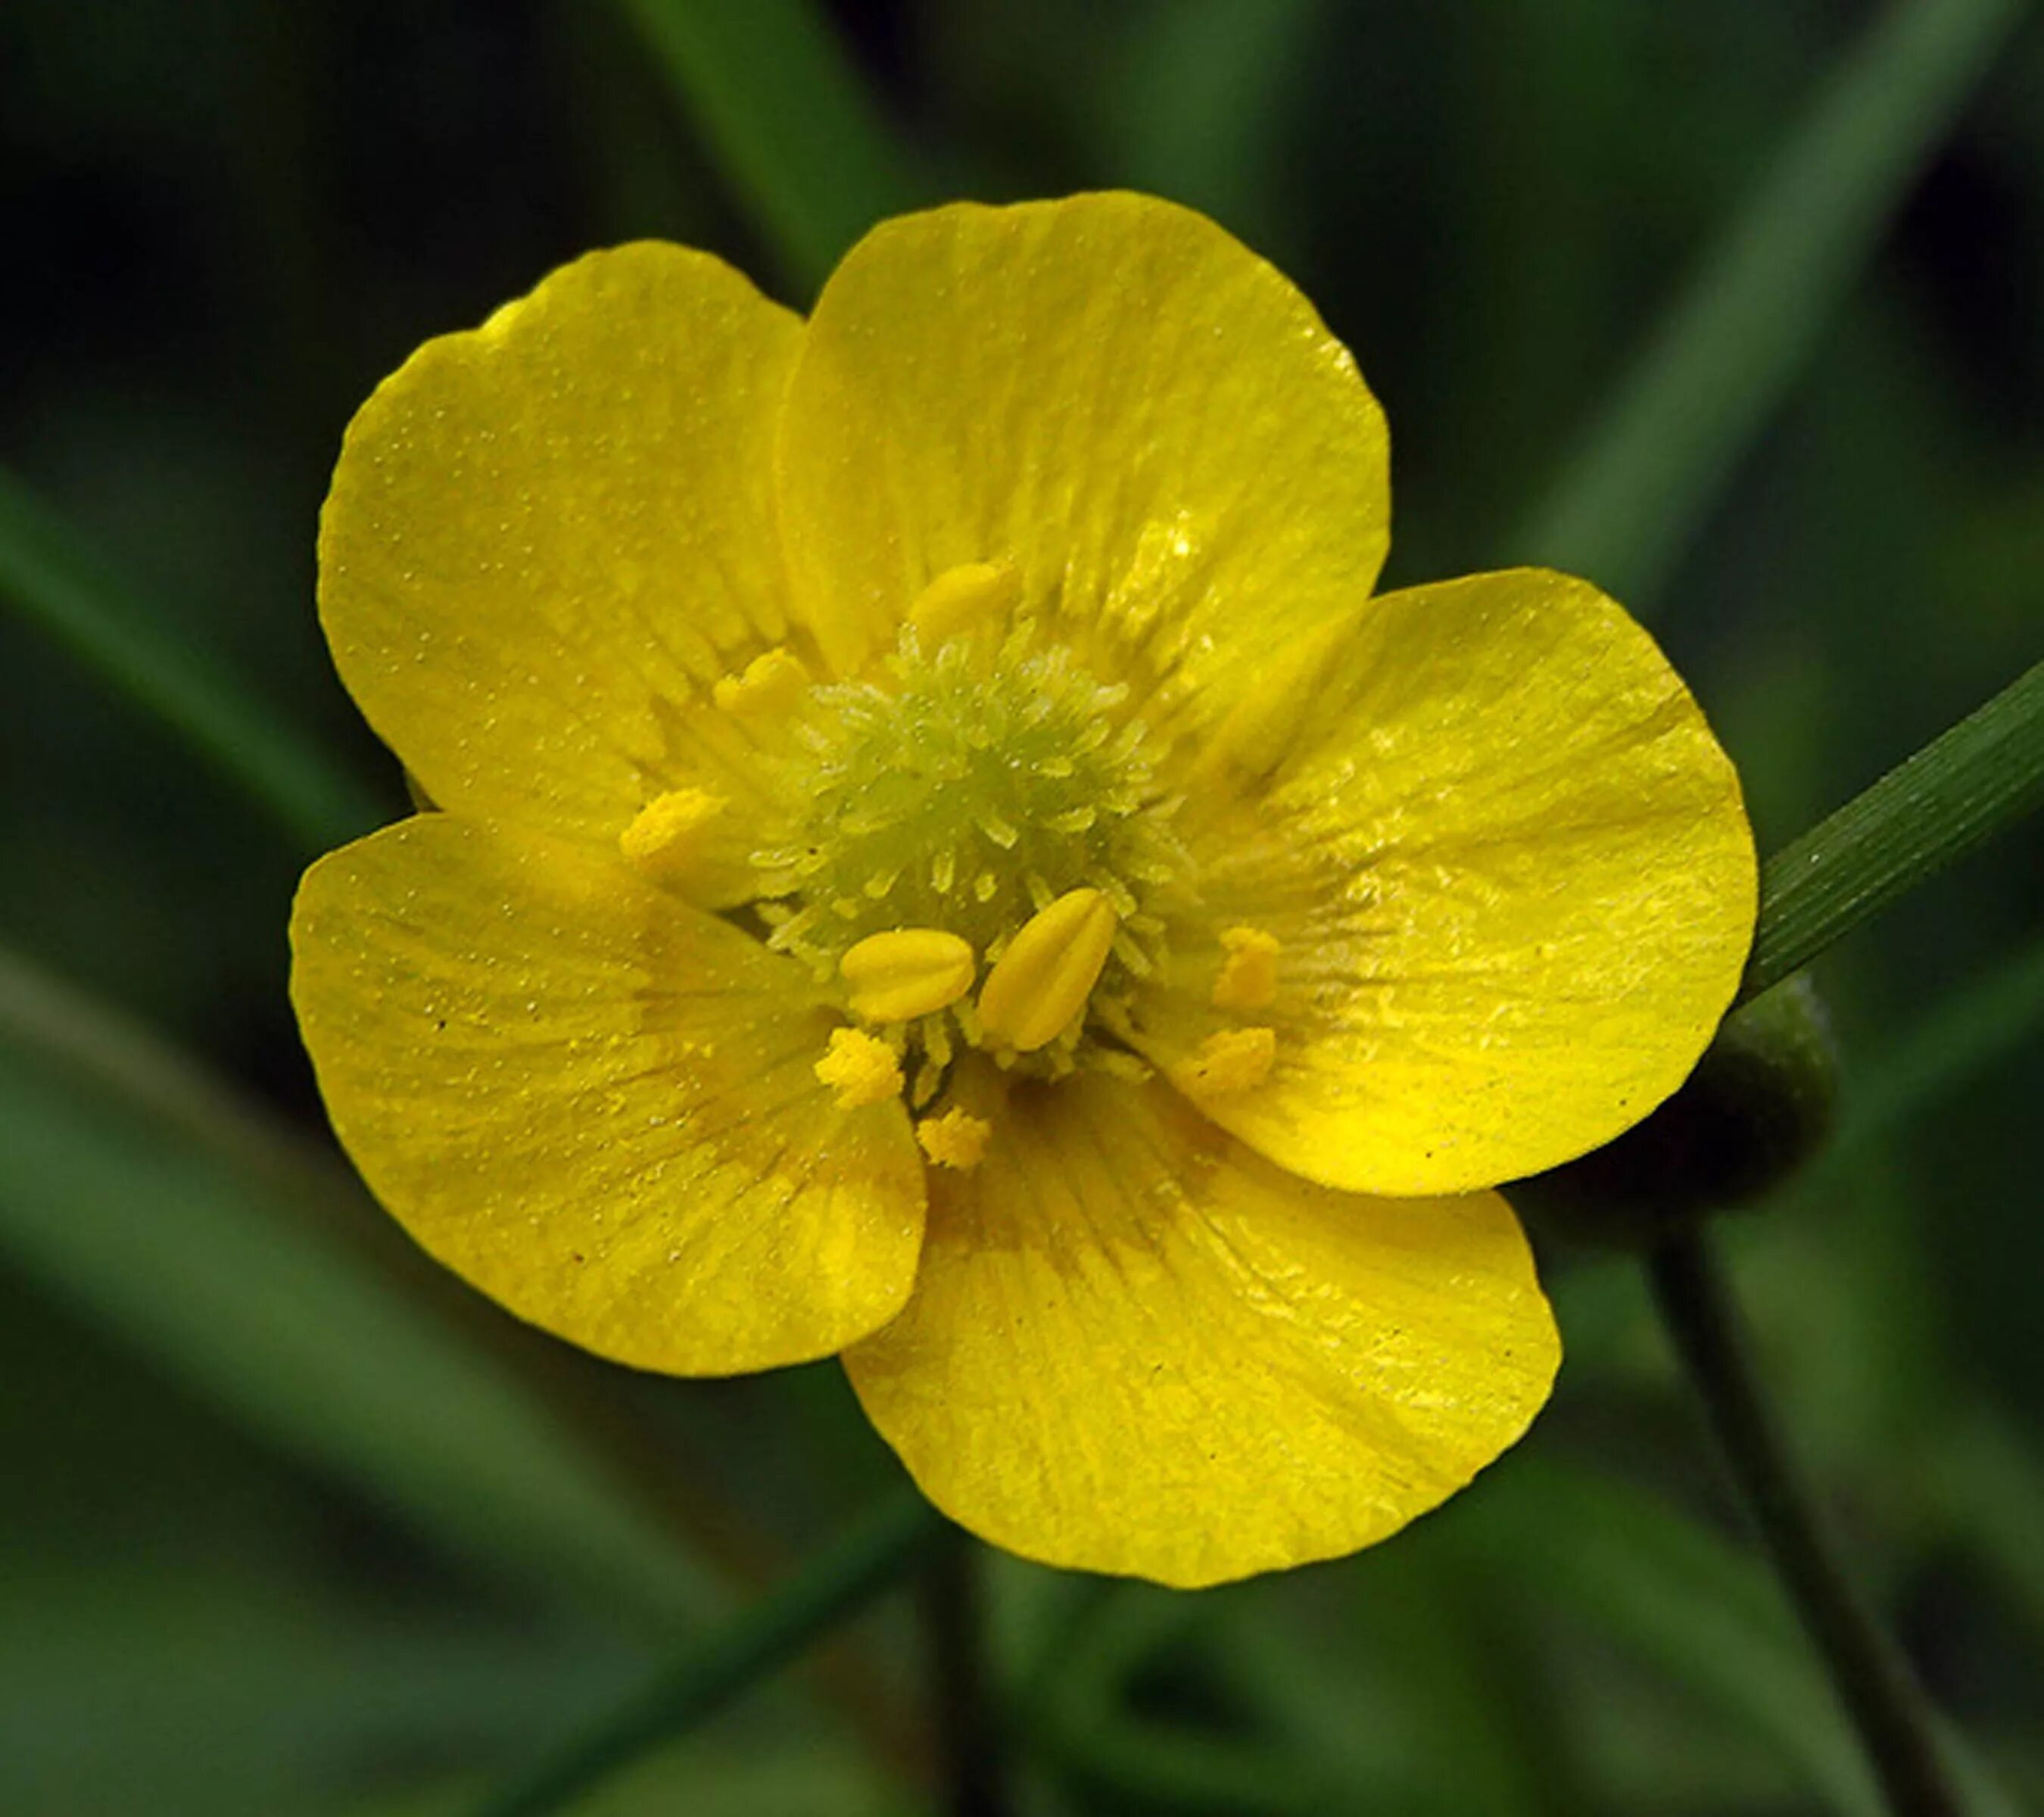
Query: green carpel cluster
[[966, 788]]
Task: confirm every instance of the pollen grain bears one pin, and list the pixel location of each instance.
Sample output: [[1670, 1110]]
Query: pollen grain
[[1248, 978], [860, 1068], [956, 1140], [670, 828], [1229, 1061]]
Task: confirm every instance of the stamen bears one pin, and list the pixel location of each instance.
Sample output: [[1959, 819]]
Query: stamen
[[1130, 952], [1248, 978], [998, 829], [1120, 895], [1039, 985], [670, 829], [859, 1068], [962, 598], [788, 931], [1230, 1060], [769, 686], [1117, 1065], [970, 783], [929, 1080], [907, 973], [955, 1139]]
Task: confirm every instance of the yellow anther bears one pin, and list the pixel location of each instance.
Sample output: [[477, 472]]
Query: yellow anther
[[955, 1139], [861, 1069], [1230, 1061], [771, 684], [670, 829], [1248, 978], [910, 971], [1040, 986], [962, 597]]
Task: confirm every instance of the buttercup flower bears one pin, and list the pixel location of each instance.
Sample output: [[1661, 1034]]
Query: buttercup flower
[[937, 855]]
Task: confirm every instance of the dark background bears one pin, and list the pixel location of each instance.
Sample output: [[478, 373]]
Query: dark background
[[224, 220]]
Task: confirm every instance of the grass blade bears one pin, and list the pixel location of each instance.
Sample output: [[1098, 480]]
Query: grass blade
[[787, 117], [1985, 772], [183, 1238], [1962, 1036], [832, 1586], [1681, 1597], [1625, 508], [57, 582]]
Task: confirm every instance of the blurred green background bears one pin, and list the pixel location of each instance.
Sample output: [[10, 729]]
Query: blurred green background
[[288, 1522]]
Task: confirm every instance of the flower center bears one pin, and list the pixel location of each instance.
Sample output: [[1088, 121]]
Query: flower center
[[972, 845], [979, 800]]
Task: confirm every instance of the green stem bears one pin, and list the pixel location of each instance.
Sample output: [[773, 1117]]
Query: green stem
[[968, 1743], [1895, 1723], [1985, 772], [832, 1586]]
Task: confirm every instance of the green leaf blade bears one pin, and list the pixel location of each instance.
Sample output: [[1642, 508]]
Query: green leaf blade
[[786, 115], [187, 1244], [1623, 510], [832, 1585], [56, 582], [1985, 773]]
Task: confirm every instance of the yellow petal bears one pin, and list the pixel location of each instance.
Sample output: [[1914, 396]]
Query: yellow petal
[[545, 536], [1107, 394], [596, 1104], [1513, 881], [1135, 1346]]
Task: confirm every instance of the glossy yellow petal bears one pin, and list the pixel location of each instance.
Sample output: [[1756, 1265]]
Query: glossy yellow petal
[[1513, 879], [597, 1105], [545, 536], [1136, 1346], [1106, 394]]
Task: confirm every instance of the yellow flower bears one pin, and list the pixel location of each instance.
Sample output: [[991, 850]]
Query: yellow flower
[[938, 856]]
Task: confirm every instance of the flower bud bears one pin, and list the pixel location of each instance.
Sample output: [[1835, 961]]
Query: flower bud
[[1758, 1106]]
